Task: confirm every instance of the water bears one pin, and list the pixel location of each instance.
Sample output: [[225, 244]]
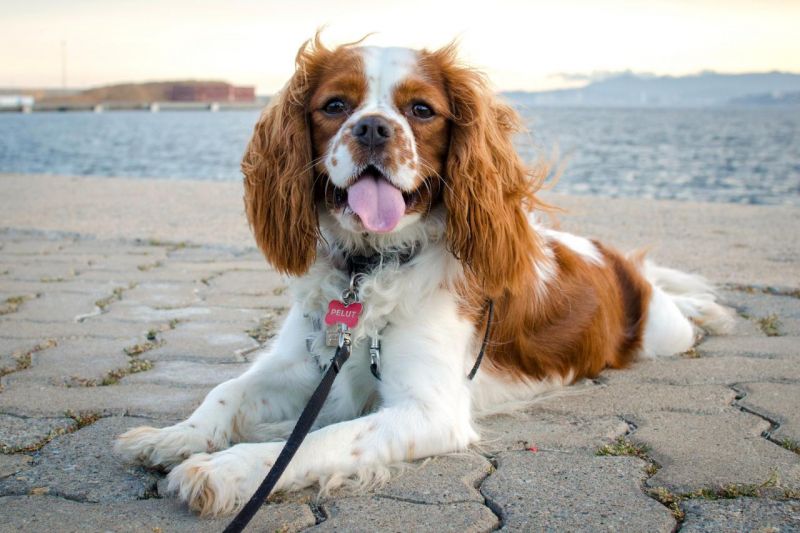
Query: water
[[720, 155]]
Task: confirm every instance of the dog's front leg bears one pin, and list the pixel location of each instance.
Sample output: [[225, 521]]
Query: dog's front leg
[[274, 389], [426, 411]]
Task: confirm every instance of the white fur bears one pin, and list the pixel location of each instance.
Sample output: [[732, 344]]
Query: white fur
[[679, 300], [580, 245]]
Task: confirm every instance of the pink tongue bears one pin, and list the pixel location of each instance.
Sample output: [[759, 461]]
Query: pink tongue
[[378, 203]]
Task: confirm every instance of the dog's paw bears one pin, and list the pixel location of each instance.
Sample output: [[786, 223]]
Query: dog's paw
[[163, 447], [220, 483]]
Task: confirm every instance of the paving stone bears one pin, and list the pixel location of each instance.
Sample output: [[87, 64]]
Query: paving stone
[[760, 304], [778, 401], [548, 430], [156, 401], [439, 480], [703, 451], [11, 464], [202, 254], [186, 373], [624, 399], [164, 294], [369, 514], [220, 299], [254, 283], [73, 361], [28, 246], [199, 341], [81, 466], [58, 306], [47, 513], [741, 514], [750, 346], [705, 370], [556, 491], [117, 248], [11, 328], [76, 286], [36, 272], [128, 311], [22, 433]]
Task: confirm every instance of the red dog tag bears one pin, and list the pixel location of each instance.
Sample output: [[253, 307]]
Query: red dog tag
[[339, 313]]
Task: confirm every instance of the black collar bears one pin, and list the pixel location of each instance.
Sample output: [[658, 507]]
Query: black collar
[[358, 264]]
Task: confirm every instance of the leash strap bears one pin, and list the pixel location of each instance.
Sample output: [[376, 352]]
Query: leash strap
[[304, 423], [477, 365]]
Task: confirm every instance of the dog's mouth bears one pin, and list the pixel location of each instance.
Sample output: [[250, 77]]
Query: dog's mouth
[[375, 200]]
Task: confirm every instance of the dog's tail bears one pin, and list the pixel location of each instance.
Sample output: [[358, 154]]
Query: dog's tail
[[680, 304]]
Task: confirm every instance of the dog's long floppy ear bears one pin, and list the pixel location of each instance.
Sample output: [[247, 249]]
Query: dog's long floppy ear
[[278, 171], [489, 191]]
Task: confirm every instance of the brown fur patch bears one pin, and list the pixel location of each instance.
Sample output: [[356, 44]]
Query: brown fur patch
[[590, 317]]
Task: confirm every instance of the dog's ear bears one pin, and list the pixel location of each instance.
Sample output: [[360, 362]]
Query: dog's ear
[[489, 191], [278, 174]]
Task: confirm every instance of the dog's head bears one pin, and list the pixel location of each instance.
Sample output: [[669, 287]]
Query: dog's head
[[373, 141]]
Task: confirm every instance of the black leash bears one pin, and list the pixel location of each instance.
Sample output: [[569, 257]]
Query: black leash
[[490, 313], [304, 423], [306, 420]]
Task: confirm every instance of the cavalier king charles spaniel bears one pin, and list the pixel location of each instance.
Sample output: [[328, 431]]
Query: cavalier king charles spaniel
[[392, 172]]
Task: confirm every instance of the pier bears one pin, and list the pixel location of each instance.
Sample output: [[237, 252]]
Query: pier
[[152, 107]]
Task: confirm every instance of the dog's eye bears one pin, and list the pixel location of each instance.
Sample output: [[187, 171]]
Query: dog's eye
[[421, 110], [335, 106]]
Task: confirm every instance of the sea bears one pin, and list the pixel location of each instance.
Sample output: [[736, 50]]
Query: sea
[[735, 155]]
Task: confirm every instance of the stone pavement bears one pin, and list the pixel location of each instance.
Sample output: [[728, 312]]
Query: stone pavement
[[134, 319]]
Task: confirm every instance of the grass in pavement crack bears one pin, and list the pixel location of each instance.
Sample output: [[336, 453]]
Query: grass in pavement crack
[[81, 420], [791, 445], [770, 325], [623, 447], [23, 360], [115, 296], [13, 303]]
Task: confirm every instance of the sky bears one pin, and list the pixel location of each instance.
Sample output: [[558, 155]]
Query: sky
[[522, 45]]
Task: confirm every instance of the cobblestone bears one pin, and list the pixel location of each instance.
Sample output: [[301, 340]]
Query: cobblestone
[[741, 514], [570, 492]]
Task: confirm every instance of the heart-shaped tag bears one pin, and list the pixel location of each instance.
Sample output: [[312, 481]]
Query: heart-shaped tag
[[339, 313]]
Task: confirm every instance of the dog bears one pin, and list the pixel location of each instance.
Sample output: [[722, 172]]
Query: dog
[[389, 174]]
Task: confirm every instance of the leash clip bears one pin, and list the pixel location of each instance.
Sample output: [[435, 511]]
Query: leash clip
[[375, 356]]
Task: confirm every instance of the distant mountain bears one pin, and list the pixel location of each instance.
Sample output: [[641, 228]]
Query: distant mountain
[[700, 90]]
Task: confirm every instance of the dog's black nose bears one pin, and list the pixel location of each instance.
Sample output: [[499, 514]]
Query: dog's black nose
[[372, 131]]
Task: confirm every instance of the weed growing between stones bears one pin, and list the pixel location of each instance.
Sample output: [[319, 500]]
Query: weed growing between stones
[[83, 419], [115, 296], [670, 501], [142, 347], [770, 325], [23, 360], [791, 445], [149, 266], [691, 353], [12, 304], [623, 446], [152, 334]]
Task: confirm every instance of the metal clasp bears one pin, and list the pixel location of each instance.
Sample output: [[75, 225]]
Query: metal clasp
[[375, 356]]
